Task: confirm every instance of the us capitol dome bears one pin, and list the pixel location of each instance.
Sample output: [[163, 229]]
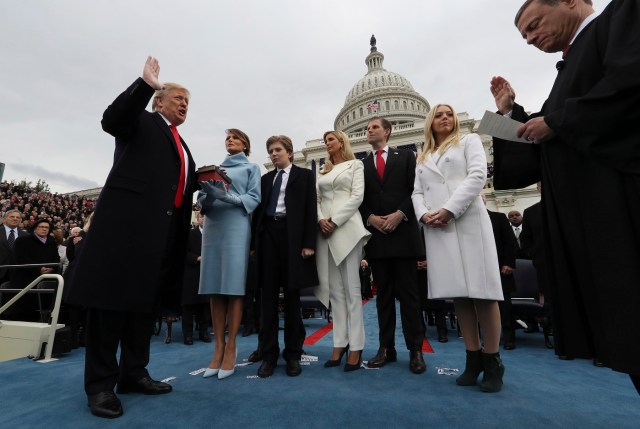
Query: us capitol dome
[[380, 91], [388, 94]]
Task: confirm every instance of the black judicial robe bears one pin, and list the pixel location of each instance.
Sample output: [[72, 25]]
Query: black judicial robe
[[590, 173]]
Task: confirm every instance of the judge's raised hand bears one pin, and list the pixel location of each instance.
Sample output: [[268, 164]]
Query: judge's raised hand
[[503, 94], [150, 73]]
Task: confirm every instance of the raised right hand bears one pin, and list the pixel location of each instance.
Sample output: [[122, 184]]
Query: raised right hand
[[503, 94], [150, 73]]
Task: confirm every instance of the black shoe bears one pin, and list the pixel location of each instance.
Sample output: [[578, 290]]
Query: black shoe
[[105, 404], [255, 356], [248, 330], [565, 357], [416, 362], [145, 385], [598, 363], [531, 328], [204, 337], [509, 345], [188, 340], [443, 336], [336, 362], [384, 356], [348, 367], [266, 369], [493, 373], [293, 368]]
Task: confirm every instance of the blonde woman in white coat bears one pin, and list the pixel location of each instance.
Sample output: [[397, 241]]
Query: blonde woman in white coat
[[341, 239], [461, 253]]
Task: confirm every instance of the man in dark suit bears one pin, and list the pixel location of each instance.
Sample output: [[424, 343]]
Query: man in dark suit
[[515, 220], [532, 242], [122, 282], [587, 157], [394, 247], [9, 233], [33, 248], [284, 229], [506, 246], [194, 304]]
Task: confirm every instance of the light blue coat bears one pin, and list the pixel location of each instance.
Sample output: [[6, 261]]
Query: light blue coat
[[227, 231]]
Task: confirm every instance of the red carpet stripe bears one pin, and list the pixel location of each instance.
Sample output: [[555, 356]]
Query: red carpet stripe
[[426, 347], [317, 336], [320, 333]]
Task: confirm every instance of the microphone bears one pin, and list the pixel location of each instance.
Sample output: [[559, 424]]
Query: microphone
[[560, 65]]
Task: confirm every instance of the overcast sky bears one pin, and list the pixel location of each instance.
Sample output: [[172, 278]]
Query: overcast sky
[[266, 67]]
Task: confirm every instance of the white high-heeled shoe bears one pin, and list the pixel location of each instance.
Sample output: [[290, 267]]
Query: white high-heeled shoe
[[210, 372], [224, 373]]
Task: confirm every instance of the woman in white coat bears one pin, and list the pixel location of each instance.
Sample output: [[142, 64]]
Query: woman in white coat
[[461, 252], [341, 239]]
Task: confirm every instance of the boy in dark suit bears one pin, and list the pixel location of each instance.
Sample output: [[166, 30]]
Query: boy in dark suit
[[284, 238]]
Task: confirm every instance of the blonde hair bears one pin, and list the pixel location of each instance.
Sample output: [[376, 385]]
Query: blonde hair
[[167, 87], [345, 150], [430, 145]]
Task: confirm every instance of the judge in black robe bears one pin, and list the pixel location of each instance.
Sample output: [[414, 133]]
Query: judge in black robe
[[588, 157]]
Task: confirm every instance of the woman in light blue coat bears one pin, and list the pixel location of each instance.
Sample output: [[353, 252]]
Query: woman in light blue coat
[[225, 247]]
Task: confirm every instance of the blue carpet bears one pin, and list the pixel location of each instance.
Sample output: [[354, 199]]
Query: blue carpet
[[540, 391]]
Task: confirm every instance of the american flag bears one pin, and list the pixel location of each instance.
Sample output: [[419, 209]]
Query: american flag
[[374, 105]]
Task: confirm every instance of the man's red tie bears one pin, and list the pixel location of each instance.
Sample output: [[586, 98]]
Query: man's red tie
[[565, 51], [380, 163], [180, 191]]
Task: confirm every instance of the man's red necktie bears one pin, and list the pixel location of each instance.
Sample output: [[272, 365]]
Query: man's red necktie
[[380, 163], [180, 191], [565, 51]]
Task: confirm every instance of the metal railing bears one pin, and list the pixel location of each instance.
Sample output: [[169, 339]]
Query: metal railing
[[56, 306]]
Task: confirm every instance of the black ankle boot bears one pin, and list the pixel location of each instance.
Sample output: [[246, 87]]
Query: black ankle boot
[[472, 369], [493, 372]]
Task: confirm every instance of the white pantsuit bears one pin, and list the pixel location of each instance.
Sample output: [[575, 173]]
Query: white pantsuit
[[340, 193], [346, 301]]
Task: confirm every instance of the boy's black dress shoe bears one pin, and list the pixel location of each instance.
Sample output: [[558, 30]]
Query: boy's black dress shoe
[[384, 356], [145, 385], [266, 369], [293, 368], [188, 340], [105, 404], [416, 362]]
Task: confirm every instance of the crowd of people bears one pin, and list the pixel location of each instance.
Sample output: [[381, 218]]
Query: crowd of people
[[304, 234], [63, 211]]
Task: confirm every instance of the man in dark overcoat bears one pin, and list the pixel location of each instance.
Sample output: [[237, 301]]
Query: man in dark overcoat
[[126, 266]]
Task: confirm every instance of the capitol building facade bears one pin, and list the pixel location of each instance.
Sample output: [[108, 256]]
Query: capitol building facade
[[390, 95]]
